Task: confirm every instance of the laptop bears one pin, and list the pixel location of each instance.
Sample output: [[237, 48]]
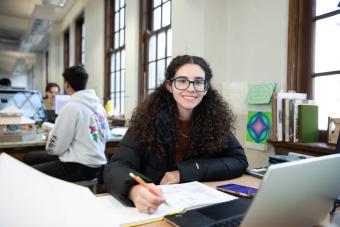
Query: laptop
[[297, 193]]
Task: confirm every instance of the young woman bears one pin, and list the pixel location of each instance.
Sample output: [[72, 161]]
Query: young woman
[[52, 89], [182, 132]]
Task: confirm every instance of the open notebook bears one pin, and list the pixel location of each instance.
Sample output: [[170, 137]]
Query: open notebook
[[180, 197]]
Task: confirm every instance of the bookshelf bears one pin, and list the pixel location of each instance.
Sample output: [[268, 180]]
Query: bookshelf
[[314, 149]]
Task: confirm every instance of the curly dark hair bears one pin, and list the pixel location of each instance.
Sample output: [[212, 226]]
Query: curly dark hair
[[211, 123]]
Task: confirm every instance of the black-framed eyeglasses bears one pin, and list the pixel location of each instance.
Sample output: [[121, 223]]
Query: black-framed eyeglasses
[[182, 83]]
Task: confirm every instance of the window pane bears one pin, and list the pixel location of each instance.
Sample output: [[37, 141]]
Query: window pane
[[325, 6], [123, 59], [156, 3], [82, 44], [327, 96], [122, 21], [122, 3], [152, 75], [118, 60], [117, 88], [112, 82], [116, 5], [161, 45], [83, 59], [156, 19], [116, 22], [122, 103], [152, 48], [169, 43], [113, 63], [166, 14], [160, 71], [121, 38], [327, 45], [116, 39], [122, 80]]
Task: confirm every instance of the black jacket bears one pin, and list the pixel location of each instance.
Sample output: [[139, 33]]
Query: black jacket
[[229, 162]]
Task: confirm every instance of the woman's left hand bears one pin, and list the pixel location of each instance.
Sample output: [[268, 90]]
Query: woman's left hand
[[172, 177]]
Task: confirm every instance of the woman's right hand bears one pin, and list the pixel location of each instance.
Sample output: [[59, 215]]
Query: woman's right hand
[[144, 200]]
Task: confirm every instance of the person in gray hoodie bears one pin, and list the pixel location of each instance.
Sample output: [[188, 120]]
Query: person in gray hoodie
[[75, 146]]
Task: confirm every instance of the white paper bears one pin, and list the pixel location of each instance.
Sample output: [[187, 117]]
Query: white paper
[[178, 196], [32, 199], [235, 93]]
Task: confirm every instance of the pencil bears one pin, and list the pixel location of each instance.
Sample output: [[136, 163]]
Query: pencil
[[144, 184]]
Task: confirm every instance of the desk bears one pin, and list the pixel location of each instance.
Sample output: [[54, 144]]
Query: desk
[[19, 149], [243, 180]]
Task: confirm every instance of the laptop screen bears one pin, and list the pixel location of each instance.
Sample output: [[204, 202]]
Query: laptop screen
[[29, 101], [60, 101]]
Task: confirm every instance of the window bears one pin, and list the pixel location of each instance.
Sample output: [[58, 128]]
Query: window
[[66, 48], [115, 53], [80, 40], [326, 58], [157, 43], [314, 53]]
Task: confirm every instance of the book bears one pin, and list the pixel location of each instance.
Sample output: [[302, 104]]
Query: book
[[279, 110], [308, 129], [180, 197]]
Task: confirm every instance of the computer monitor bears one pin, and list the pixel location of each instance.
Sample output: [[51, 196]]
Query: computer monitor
[[28, 101]]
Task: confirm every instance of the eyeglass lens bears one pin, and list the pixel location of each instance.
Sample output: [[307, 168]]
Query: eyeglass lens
[[182, 83]]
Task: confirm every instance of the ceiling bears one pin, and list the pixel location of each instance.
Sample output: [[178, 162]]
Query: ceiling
[[17, 18]]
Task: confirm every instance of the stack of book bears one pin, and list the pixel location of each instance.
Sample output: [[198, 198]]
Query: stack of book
[[294, 118], [16, 127]]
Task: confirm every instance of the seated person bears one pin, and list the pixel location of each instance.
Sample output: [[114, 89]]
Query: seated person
[[5, 83], [182, 132], [52, 89], [75, 146]]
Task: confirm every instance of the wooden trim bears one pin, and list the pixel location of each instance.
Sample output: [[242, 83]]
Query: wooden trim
[[144, 29], [299, 61], [66, 48], [314, 149], [78, 43], [108, 42], [47, 66]]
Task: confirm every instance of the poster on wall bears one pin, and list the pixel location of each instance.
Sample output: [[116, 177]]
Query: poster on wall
[[258, 129]]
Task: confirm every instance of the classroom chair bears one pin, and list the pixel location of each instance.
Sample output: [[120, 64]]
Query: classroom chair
[[91, 184]]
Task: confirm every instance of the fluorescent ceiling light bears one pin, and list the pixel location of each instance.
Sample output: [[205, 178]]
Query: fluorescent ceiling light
[[59, 3]]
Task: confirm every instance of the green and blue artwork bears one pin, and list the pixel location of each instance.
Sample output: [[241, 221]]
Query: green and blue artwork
[[258, 127]]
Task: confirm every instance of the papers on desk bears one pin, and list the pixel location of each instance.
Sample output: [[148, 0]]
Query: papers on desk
[[31, 198], [180, 197]]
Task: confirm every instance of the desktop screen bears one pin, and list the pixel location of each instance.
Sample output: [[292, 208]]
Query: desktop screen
[[29, 101]]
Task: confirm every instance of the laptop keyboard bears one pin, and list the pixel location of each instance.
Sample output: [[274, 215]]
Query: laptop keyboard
[[231, 222]]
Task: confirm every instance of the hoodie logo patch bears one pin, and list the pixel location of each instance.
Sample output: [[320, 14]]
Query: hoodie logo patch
[[97, 127]]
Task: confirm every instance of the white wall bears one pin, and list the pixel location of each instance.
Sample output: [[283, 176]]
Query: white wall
[[132, 53], [244, 41], [94, 43]]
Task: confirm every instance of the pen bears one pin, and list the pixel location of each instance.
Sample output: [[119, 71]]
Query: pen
[[144, 184]]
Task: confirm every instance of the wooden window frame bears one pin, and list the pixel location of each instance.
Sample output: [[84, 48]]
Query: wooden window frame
[[300, 50], [78, 38], [66, 48], [110, 49], [146, 28]]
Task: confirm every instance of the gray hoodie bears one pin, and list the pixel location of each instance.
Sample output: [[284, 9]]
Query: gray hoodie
[[80, 131]]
